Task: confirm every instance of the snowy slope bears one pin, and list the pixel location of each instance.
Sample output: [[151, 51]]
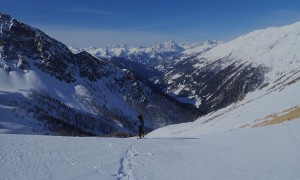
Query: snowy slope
[[255, 109], [275, 48], [267, 59], [13, 123], [266, 153]]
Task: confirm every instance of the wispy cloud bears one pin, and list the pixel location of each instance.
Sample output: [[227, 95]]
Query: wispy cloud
[[94, 11]]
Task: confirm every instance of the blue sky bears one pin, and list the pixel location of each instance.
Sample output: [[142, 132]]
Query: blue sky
[[84, 23]]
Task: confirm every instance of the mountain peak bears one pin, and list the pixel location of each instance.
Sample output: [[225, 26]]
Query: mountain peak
[[5, 17], [168, 46], [6, 22]]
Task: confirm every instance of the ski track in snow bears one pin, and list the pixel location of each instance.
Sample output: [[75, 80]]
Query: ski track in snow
[[127, 163], [32, 158]]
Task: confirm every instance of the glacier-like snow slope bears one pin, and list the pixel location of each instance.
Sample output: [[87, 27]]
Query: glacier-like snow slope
[[265, 153]]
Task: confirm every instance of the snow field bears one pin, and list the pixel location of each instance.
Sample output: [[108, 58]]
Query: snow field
[[270, 152]]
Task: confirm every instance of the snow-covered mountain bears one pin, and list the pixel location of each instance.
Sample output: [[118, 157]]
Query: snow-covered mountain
[[264, 60], [39, 74], [250, 84], [43, 85]]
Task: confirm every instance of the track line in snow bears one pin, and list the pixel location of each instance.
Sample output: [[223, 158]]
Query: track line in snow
[[127, 162]]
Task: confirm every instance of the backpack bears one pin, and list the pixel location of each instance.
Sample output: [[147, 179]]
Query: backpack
[[139, 123]]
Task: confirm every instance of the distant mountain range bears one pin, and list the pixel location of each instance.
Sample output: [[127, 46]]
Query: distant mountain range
[[159, 56]]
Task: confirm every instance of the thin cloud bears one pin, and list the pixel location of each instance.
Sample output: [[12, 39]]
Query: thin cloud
[[94, 11]]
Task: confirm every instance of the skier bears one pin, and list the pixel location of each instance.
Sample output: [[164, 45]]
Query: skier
[[140, 124]]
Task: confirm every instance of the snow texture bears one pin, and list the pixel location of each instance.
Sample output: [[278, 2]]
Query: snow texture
[[267, 153]]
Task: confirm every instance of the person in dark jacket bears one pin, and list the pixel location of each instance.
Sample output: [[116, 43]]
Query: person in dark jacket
[[140, 124]]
